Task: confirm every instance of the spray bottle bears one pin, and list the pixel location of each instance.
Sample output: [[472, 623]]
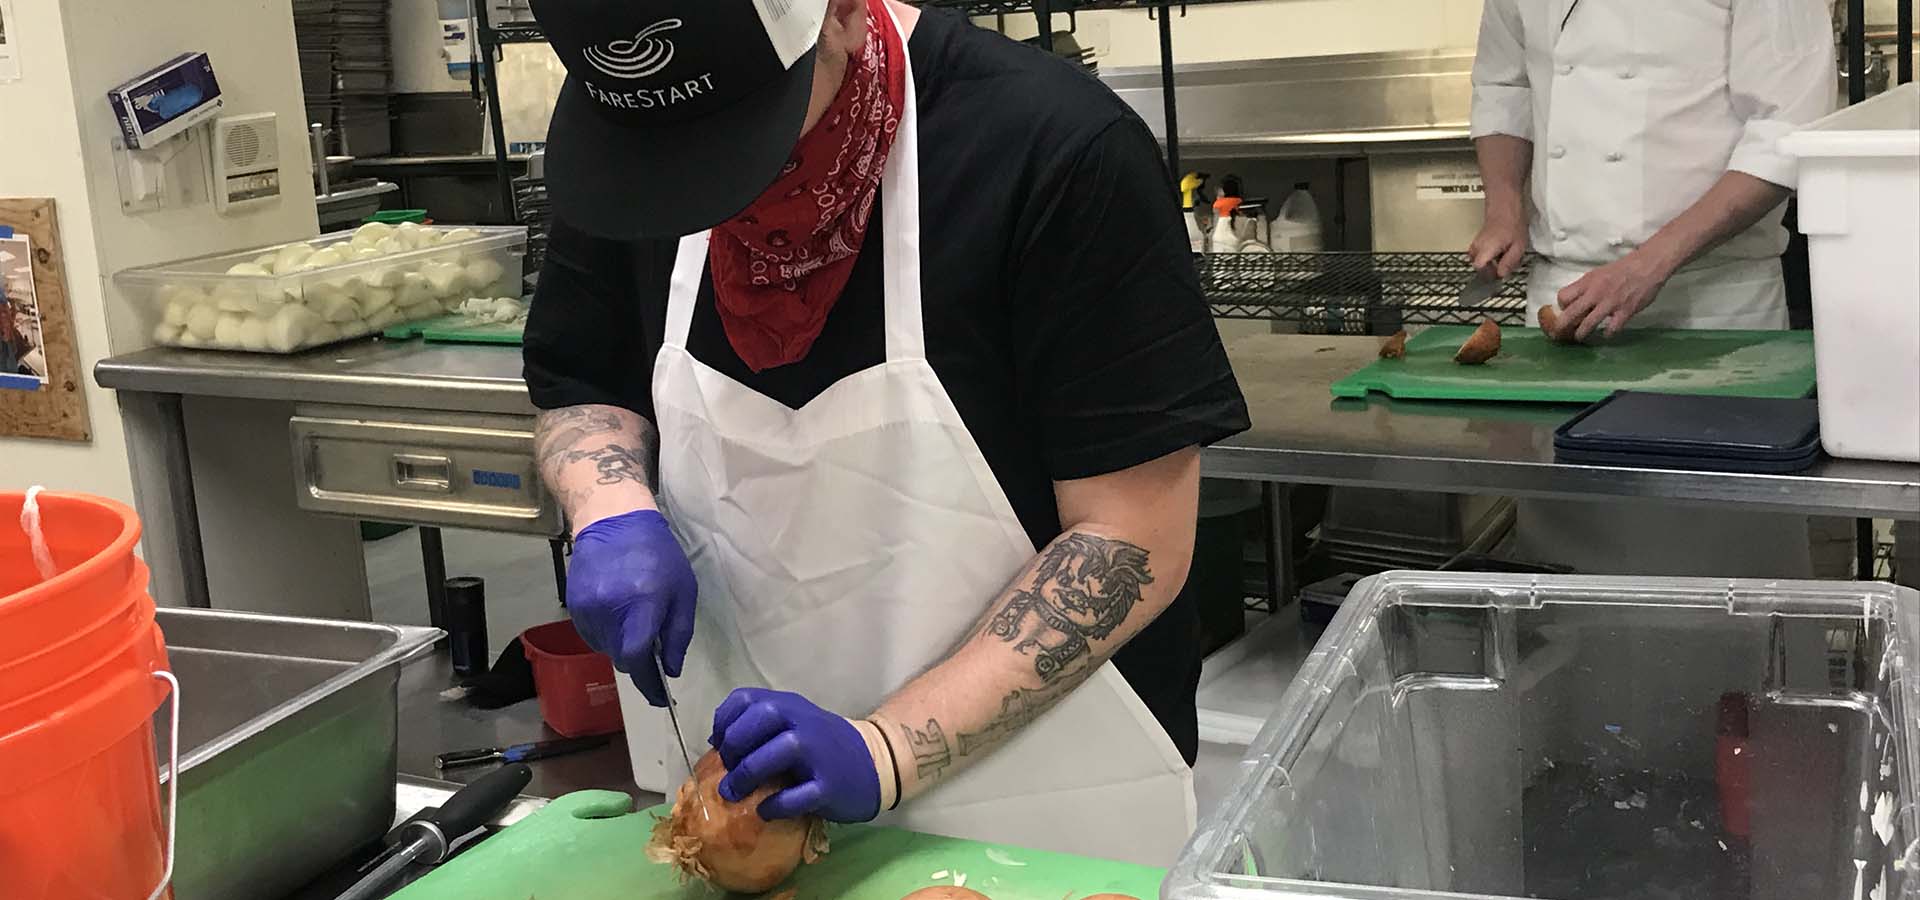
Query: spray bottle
[[1198, 216]]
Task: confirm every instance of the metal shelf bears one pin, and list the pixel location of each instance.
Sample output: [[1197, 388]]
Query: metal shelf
[[519, 33], [1352, 293]]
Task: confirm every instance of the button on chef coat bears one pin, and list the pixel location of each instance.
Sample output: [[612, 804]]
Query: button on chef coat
[[1644, 104]]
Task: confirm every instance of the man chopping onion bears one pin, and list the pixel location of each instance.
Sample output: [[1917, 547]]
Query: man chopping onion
[[904, 310]]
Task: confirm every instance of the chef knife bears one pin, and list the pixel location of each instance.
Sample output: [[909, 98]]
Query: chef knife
[[673, 714], [430, 838], [527, 752], [1483, 286]]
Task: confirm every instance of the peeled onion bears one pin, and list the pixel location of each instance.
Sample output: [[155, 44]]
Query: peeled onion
[[944, 892], [727, 844]]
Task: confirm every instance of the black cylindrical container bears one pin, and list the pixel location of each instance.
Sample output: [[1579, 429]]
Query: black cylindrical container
[[466, 624]]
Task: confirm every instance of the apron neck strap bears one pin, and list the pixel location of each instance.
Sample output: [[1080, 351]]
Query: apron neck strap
[[900, 211]]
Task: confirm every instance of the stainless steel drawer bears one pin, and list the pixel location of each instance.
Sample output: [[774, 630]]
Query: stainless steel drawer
[[460, 470]]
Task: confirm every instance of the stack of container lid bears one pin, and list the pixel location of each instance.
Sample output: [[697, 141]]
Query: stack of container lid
[[346, 68]]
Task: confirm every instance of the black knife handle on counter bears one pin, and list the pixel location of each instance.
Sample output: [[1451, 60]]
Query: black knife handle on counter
[[429, 838], [471, 806]]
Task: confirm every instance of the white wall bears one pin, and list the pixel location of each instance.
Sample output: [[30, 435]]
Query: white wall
[[40, 157], [1273, 30]]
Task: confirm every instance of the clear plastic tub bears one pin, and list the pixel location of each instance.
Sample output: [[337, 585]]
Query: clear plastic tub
[[289, 297], [1566, 738]]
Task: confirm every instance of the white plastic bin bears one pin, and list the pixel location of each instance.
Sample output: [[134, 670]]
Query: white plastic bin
[[1860, 209]]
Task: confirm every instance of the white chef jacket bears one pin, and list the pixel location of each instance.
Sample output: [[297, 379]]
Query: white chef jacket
[[1637, 107]]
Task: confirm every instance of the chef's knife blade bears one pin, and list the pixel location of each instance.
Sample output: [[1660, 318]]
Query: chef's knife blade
[[673, 713], [1483, 286]]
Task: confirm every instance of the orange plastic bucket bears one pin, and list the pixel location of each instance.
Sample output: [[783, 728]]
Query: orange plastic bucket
[[80, 810]]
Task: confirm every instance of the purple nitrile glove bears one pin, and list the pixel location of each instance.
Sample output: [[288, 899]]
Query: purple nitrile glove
[[630, 591], [763, 734]]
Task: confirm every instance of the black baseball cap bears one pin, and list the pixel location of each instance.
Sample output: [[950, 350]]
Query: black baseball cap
[[676, 114]]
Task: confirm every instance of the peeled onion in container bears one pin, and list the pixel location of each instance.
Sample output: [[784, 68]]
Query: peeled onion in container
[[726, 844], [943, 892]]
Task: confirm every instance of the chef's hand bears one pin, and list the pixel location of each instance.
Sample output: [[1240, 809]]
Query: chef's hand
[[1607, 297], [631, 590], [1501, 244], [765, 735]]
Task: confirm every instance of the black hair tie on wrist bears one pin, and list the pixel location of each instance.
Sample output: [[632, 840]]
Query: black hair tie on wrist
[[894, 759]]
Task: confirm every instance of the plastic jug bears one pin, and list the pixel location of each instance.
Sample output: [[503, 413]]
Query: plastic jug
[[1297, 228]]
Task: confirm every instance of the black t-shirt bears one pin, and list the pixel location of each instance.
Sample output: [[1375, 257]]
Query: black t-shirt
[[1061, 309]]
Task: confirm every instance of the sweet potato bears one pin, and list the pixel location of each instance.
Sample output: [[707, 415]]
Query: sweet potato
[[1482, 346]]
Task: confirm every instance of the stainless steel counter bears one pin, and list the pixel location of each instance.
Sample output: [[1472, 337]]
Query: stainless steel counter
[[1300, 434]]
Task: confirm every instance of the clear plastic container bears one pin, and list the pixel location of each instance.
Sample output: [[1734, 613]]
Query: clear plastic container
[[289, 297], [1466, 736]]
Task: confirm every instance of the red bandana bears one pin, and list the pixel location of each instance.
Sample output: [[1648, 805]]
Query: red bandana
[[779, 266]]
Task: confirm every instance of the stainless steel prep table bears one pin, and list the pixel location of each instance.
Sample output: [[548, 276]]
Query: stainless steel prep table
[[1299, 435]]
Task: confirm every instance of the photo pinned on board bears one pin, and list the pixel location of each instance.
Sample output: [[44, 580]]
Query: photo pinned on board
[[23, 356]]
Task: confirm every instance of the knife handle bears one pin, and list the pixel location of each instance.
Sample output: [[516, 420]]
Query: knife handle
[[471, 806]]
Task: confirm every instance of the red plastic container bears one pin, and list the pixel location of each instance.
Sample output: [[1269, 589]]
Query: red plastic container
[[575, 684], [78, 653]]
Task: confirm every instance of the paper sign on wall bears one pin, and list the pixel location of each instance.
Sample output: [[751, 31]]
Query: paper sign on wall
[[9, 44], [1449, 184]]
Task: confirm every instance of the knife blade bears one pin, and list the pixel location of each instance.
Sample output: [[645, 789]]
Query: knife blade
[[1483, 286], [673, 714]]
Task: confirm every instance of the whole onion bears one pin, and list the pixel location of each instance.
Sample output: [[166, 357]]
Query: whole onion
[[727, 844]]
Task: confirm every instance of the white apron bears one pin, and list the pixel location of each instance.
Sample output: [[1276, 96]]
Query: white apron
[[1739, 294], [844, 548], [1649, 538]]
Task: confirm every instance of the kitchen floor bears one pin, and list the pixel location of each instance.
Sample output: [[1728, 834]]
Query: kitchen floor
[[520, 594]]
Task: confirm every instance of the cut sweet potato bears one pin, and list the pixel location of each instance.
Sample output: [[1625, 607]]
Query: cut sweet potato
[[1550, 323], [1482, 346], [1396, 346]]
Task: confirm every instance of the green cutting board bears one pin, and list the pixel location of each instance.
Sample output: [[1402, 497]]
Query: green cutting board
[[454, 328], [1530, 367], [588, 846]]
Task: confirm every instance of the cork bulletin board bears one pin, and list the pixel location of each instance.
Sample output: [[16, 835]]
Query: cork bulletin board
[[42, 389]]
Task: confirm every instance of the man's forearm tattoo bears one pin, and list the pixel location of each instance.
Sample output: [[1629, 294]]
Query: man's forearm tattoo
[[931, 754], [560, 433], [561, 430], [1017, 710], [616, 464], [1080, 591]]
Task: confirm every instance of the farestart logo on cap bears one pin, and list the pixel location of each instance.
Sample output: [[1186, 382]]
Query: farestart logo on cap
[[639, 57]]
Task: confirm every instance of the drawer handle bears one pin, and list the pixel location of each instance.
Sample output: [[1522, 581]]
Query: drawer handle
[[423, 473]]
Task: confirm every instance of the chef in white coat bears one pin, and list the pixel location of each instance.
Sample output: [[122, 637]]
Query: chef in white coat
[[1632, 145], [905, 313]]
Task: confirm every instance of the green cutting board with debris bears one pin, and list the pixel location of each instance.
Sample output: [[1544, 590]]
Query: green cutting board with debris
[[1532, 368], [588, 846], [455, 328]]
